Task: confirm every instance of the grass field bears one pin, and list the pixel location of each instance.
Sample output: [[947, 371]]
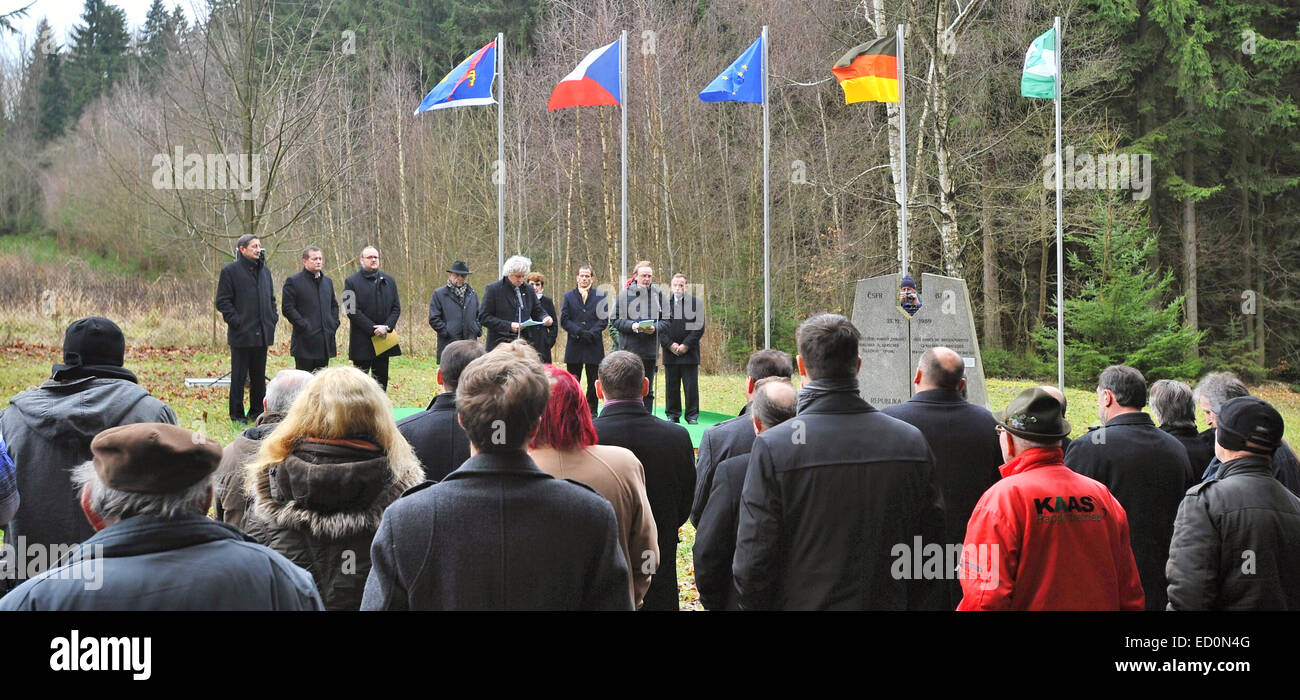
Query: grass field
[[412, 383]]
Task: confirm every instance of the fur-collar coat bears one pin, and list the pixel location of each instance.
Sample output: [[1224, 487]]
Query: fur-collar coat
[[321, 506]]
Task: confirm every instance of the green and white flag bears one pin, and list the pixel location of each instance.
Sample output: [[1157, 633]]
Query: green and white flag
[[1039, 78]]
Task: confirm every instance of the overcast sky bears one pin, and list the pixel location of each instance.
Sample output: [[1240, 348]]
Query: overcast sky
[[63, 14]]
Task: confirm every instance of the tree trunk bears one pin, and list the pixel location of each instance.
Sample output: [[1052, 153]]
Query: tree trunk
[[992, 293], [948, 234], [891, 109], [1189, 239], [1042, 262]]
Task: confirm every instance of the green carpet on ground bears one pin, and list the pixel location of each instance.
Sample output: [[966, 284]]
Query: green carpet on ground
[[707, 420]]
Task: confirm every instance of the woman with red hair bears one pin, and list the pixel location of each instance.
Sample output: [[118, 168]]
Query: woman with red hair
[[565, 447]]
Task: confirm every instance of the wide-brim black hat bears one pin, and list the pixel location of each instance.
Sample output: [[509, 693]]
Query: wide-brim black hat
[[459, 268], [1034, 415]]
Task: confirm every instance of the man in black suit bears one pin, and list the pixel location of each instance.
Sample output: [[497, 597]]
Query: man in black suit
[[435, 436], [734, 436], [1146, 469], [715, 542], [507, 304], [584, 317], [962, 436], [246, 300], [666, 455], [499, 533], [542, 338], [372, 306], [681, 351], [309, 304], [639, 320]]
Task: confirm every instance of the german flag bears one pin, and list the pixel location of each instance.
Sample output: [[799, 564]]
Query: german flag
[[869, 72]]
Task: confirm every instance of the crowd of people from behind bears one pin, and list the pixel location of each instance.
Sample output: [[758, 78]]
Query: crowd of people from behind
[[516, 489]]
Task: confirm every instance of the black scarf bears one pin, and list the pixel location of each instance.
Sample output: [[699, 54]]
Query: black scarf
[[818, 388], [458, 291], [65, 373]]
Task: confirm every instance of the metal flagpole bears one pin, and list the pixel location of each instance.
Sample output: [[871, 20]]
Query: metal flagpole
[[1060, 245], [767, 248], [902, 150], [501, 154], [622, 104]]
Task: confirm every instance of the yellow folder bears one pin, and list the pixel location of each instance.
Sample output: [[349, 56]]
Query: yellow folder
[[382, 345]]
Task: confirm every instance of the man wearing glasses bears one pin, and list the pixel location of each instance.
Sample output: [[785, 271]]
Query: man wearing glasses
[[372, 305]]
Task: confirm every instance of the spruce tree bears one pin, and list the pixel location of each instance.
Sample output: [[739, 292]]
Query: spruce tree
[[1123, 312], [54, 108], [98, 53]]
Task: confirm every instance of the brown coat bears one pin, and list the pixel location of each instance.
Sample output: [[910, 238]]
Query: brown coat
[[616, 474], [231, 505]]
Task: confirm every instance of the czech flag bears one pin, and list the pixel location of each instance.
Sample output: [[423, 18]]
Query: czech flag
[[468, 84], [594, 82], [869, 72]]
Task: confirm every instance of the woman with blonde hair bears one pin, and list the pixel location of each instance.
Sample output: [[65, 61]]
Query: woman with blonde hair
[[321, 480], [565, 447]]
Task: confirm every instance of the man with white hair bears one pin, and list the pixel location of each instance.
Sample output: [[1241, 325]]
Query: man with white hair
[[146, 492], [1216, 389], [507, 306], [228, 483]]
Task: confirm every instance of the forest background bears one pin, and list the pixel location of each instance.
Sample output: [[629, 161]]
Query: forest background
[[1195, 274]]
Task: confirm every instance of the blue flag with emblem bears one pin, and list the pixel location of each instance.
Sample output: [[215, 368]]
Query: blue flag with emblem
[[468, 84], [742, 81]]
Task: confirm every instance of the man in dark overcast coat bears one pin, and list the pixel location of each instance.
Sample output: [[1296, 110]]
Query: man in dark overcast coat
[[246, 300], [453, 309], [508, 304], [715, 540], [309, 303], [962, 436], [499, 533], [831, 493], [734, 436], [666, 455], [584, 316], [1145, 468], [638, 318], [680, 345], [435, 436], [372, 305]]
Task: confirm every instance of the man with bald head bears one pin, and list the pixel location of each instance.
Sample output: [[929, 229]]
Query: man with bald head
[[962, 436], [372, 305], [715, 541], [1059, 396]]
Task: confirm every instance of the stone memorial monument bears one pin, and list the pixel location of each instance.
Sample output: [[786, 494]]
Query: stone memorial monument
[[892, 341]]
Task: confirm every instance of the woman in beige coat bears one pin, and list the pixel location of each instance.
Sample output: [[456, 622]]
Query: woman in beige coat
[[565, 447]]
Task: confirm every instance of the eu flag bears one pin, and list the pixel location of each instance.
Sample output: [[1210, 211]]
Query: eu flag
[[742, 81]]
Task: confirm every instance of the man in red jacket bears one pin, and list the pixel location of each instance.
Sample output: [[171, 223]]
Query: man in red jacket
[[1044, 537]]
